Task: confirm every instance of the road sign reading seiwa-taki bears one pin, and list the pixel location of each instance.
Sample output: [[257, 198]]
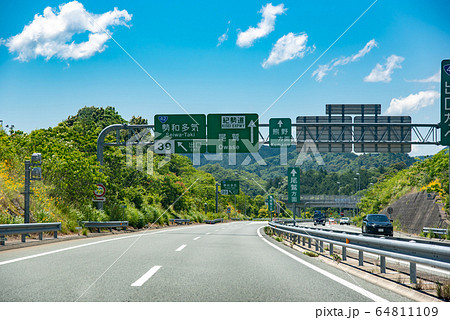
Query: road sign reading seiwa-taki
[[445, 103], [228, 187], [180, 133], [233, 133]]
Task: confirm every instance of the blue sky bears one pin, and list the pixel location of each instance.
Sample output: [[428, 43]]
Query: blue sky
[[391, 56]]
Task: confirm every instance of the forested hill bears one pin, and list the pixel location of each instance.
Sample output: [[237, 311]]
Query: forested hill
[[70, 172], [316, 178], [332, 162], [431, 175]]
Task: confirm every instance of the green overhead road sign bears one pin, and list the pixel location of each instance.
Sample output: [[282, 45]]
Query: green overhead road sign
[[294, 184], [271, 203], [180, 133], [445, 103], [280, 132], [229, 187], [233, 133]]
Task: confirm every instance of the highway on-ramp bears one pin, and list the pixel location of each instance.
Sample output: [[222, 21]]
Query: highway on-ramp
[[222, 262]]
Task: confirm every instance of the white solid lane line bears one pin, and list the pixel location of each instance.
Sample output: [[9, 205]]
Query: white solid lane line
[[349, 285], [146, 276], [181, 247], [197, 238]]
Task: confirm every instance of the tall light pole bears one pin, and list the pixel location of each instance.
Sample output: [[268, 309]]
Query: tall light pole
[[217, 197], [235, 203], [356, 191], [359, 181], [359, 187], [339, 193], [278, 209]]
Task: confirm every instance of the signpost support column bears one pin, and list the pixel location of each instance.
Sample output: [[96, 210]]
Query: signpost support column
[[26, 217]]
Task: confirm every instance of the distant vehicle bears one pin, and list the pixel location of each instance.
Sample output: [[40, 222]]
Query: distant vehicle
[[344, 220], [377, 224], [319, 218], [331, 220]]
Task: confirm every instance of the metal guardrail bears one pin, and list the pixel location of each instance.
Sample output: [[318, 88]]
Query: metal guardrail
[[435, 255], [25, 228], [425, 241], [180, 221], [291, 221], [105, 224], [435, 231], [213, 221]]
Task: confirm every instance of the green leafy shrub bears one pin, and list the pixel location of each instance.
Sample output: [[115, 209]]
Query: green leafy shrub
[[310, 254]]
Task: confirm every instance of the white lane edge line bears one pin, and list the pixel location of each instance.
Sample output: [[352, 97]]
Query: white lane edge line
[[197, 238], [181, 247], [208, 233], [349, 285], [139, 282]]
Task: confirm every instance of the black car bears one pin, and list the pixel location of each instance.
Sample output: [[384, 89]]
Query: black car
[[319, 218], [377, 224]]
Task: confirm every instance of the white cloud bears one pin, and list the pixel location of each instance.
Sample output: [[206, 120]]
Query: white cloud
[[424, 150], [382, 73], [323, 70], [412, 103], [265, 26], [288, 47], [223, 37], [434, 78], [50, 35]]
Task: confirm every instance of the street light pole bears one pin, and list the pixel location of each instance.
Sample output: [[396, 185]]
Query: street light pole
[[359, 187], [356, 195], [217, 197], [339, 193], [359, 181]]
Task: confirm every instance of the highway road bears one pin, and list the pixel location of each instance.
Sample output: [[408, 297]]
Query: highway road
[[222, 262]]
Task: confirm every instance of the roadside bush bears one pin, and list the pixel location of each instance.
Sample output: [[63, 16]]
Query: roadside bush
[[135, 218], [443, 290], [311, 254], [268, 231]]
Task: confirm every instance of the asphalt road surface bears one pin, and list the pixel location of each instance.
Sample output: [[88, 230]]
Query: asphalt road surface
[[223, 262]]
